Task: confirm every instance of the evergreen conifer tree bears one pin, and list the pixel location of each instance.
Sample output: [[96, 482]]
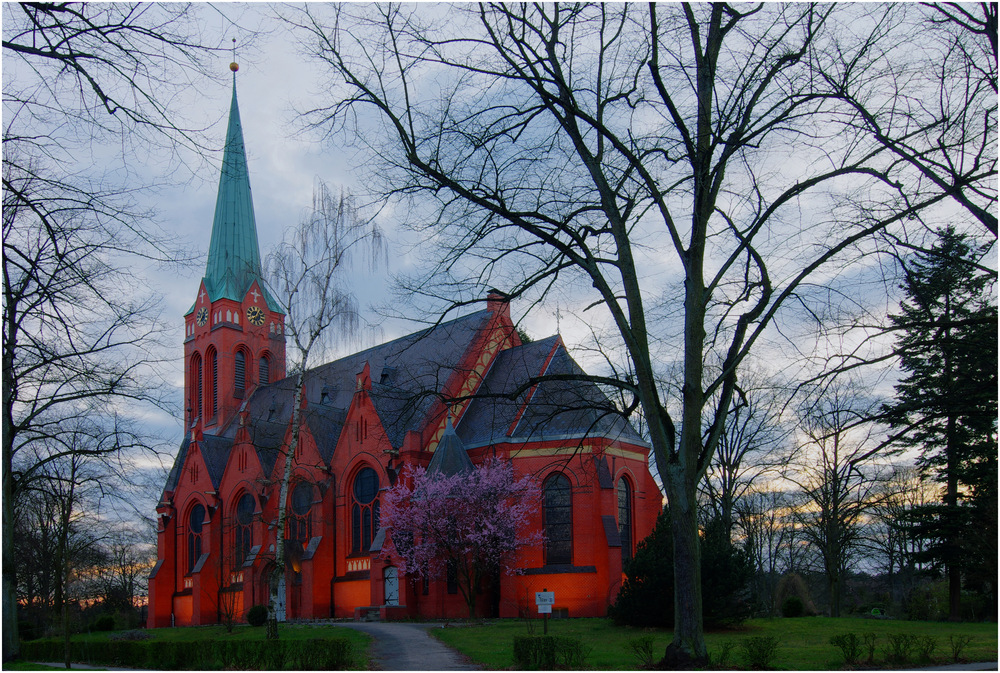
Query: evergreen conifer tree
[[946, 404]]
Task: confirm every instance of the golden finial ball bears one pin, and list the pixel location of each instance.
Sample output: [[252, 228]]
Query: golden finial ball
[[234, 66]]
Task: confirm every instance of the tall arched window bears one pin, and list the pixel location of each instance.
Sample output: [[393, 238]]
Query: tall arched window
[[196, 386], [300, 522], [243, 528], [557, 520], [264, 370], [625, 518], [196, 520], [364, 513], [212, 374], [239, 373]]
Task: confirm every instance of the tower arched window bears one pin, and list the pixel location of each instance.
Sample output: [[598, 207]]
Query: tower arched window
[[196, 521], [364, 512], [264, 370], [196, 385], [239, 373], [243, 528], [300, 522], [212, 374], [625, 518], [557, 520]]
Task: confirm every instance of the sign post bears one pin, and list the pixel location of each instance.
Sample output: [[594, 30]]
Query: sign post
[[545, 599]]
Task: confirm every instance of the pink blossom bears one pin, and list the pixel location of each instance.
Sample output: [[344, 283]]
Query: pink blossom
[[475, 520]]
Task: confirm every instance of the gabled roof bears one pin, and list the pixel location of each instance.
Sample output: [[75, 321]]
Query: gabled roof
[[325, 425], [554, 409], [175, 471], [215, 453], [233, 255], [407, 374], [450, 457]]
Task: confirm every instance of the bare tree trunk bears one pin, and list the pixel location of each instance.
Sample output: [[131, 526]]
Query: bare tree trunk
[[65, 513], [688, 645], [271, 633]]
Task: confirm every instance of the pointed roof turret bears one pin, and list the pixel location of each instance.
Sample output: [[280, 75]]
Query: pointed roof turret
[[233, 255], [450, 457]]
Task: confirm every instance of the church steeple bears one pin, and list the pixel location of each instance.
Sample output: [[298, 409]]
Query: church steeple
[[234, 333], [233, 255]]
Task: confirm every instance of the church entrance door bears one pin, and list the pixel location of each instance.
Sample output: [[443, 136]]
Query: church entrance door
[[391, 579]]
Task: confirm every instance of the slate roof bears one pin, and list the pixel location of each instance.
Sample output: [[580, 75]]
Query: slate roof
[[175, 471], [450, 457], [552, 410], [407, 374], [215, 450], [215, 453]]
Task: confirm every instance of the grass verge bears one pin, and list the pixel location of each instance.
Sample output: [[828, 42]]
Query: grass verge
[[804, 643]]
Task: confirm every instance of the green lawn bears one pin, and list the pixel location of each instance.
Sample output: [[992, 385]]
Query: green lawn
[[804, 643]]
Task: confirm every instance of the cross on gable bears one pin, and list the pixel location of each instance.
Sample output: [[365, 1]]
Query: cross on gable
[[256, 295], [201, 295]]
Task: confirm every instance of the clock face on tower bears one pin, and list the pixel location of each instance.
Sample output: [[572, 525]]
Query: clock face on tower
[[202, 316], [255, 316]]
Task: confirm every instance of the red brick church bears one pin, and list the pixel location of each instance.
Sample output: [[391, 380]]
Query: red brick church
[[365, 417]]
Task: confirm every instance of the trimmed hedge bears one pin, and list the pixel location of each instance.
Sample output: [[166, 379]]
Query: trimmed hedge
[[549, 652], [296, 655]]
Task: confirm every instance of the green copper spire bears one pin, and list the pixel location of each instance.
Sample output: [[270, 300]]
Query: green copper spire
[[233, 256]]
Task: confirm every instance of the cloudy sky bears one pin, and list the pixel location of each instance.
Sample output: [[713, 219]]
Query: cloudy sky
[[274, 82]]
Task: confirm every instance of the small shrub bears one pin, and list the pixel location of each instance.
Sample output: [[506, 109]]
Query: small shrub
[[759, 651], [925, 646], [549, 652], [898, 649], [958, 643], [870, 639], [793, 607], [721, 659], [103, 623], [850, 646], [642, 650], [257, 615], [571, 653]]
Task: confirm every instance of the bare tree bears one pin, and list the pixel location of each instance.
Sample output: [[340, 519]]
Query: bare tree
[[837, 477], [763, 522], [749, 448], [77, 76], [890, 540], [308, 273], [603, 146], [934, 108]]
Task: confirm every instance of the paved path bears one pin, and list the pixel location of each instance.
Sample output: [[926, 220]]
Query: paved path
[[407, 646]]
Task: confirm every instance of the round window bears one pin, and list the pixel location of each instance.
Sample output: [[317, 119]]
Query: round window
[[365, 486]]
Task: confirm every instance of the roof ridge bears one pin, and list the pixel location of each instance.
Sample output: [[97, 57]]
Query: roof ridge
[[418, 333]]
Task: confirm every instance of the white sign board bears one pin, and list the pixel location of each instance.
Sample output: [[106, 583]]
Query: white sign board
[[545, 609], [545, 598]]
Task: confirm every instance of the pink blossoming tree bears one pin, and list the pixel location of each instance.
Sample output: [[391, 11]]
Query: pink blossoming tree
[[475, 521]]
